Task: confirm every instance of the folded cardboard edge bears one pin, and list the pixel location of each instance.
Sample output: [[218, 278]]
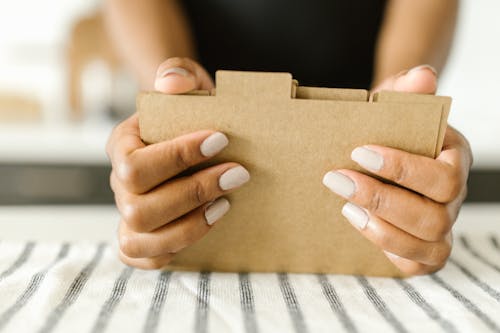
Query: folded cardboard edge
[[444, 101], [186, 268]]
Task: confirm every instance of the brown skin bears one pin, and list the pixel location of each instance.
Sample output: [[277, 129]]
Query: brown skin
[[411, 223], [414, 33], [147, 32]]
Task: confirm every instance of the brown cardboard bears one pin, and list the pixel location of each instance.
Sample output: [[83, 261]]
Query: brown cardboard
[[288, 137]]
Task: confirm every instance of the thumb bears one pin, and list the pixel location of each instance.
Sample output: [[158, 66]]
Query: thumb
[[181, 75], [421, 80]]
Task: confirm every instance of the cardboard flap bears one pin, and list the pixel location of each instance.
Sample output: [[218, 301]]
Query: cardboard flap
[[254, 85], [333, 94], [443, 101]]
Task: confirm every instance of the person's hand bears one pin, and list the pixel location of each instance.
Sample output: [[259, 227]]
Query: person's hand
[[412, 224], [160, 214]]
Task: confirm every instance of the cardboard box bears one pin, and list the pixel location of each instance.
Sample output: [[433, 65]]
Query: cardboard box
[[288, 137]]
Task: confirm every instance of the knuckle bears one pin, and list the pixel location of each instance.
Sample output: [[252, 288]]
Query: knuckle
[[129, 174], [443, 223], [453, 191], [197, 192], [133, 215], [440, 253], [129, 245], [400, 173], [452, 187], [376, 201], [436, 225], [183, 156]]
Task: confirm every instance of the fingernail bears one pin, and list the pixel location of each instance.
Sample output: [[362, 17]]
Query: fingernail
[[425, 66], [367, 158], [233, 178], [213, 144], [355, 215], [216, 210], [174, 70], [391, 255], [339, 183]]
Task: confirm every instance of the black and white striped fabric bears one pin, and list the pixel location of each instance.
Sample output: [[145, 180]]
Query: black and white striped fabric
[[82, 287]]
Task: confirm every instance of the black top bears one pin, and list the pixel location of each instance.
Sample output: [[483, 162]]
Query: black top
[[328, 43]]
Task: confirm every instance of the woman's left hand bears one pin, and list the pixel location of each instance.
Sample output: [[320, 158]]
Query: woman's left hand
[[412, 223]]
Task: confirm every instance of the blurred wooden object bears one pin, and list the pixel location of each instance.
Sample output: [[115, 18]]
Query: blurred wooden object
[[15, 108], [88, 42]]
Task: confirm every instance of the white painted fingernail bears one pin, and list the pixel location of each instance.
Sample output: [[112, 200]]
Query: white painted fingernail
[[233, 178], [355, 215], [213, 144], [391, 255], [425, 66], [367, 158], [174, 70], [216, 210], [339, 183]]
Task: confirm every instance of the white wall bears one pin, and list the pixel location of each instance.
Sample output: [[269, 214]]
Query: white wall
[[32, 35], [472, 78]]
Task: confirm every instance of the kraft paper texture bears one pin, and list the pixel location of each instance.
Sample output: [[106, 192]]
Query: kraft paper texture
[[288, 137]]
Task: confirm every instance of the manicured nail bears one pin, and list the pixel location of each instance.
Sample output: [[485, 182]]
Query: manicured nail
[[174, 70], [367, 158], [216, 210], [391, 255], [425, 66], [233, 178], [339, 183], [213, 144], [355, 215]]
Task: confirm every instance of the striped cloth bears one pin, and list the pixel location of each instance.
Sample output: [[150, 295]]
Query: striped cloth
[[82, 287]]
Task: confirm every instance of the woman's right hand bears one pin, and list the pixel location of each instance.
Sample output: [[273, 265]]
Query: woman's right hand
[[160, 215]]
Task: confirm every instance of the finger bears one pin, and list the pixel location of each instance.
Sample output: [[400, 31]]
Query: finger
[[456, 151], [181, 75], [147, 263], [441, 179], [392, 239], [410, 267], [406, 210], [144, 213], [145, 168], [175, 236], [124, 139], [421, 79]]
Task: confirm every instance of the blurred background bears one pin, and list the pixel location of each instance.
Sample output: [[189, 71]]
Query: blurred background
[[62, 91]]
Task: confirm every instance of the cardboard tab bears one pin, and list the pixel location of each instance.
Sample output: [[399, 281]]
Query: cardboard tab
[[333, 94], [254, 84], [285, 219], [444, 101]]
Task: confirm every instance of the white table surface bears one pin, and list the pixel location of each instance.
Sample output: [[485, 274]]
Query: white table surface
[[58, 223], [87, 285]]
